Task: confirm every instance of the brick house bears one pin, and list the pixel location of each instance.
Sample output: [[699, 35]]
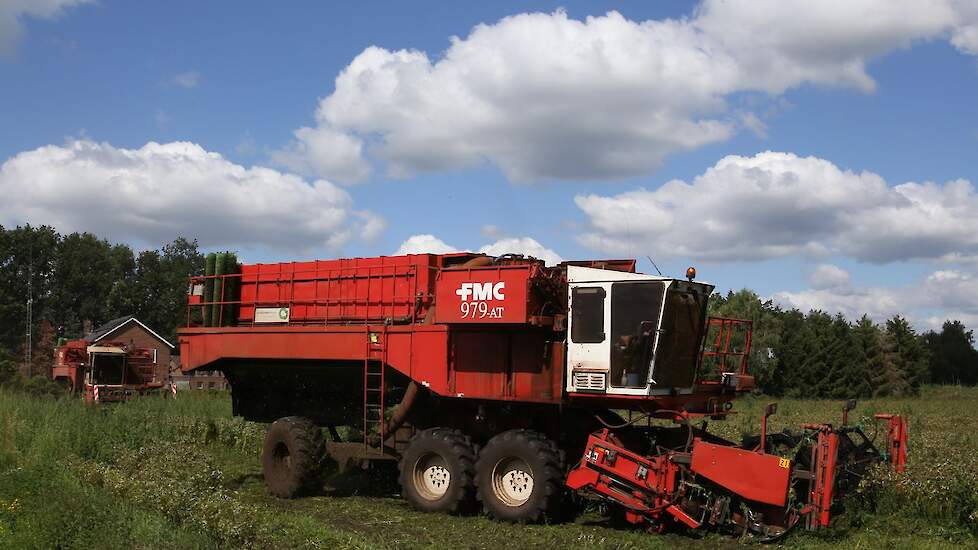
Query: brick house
[[132, 331], [196, 380]]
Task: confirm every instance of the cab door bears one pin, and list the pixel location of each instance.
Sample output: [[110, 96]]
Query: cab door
[[588, 344]]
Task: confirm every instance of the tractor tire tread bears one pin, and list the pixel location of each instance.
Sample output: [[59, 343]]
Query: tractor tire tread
[[306, 449], [549, 506]]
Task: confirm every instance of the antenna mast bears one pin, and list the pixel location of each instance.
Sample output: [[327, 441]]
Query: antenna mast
[[651, 261]]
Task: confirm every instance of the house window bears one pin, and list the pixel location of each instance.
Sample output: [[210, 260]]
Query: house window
[[210, 385], [154, 356], [200, 385]]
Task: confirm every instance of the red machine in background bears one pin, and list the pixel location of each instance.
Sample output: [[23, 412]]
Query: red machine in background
[[502, 382], [106, 371]]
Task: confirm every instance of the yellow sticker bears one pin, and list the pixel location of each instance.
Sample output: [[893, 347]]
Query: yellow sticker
[[784, 462]]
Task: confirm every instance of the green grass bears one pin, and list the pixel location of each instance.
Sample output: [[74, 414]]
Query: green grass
[[184, 474]]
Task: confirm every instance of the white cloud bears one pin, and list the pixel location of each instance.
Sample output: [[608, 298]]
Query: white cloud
[[189, 79], [965, 35], [778, 204], [159, 191], [879, 303], [492, 231], [753, 123], [942, 295], [427, 243], [779, 44], [13, 11], [545, 96], [522, 245], [325, 151], [828, 276]]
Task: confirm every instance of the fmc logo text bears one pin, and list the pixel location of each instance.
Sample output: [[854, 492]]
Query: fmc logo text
[[482, 291]]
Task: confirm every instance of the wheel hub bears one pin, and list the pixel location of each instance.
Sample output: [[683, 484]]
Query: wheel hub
[[512, 482], [431, 476]]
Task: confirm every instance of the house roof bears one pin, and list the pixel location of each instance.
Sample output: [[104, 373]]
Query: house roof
[[116, 324]]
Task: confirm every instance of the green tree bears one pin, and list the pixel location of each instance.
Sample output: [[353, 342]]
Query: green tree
[[792, 351], [813, 377], [870, 358], [181, 259], [846, 365], [952, 355], [157, 292], [87, 269], [905, 367], [147, 289], [8, 367], [26, 252]]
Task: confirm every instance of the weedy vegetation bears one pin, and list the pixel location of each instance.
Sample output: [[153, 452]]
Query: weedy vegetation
[[156, 473]]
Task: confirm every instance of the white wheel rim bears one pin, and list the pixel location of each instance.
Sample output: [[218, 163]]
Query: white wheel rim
[[431, 476], [512, 481]]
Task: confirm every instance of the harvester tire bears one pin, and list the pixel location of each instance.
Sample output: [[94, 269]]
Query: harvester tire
[[519, 477], [291, 456], [437, 471]]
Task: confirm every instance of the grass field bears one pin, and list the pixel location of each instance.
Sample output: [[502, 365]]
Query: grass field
[[184, 474]]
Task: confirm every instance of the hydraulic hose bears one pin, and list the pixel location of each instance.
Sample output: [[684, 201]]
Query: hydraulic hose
[[401, 414]]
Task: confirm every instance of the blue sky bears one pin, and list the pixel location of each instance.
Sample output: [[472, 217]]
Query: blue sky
[[479, 132]]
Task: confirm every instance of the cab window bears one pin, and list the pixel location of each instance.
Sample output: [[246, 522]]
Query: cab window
[[635, 309], [587, 315]]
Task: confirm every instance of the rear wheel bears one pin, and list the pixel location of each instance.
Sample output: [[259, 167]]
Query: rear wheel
[[520, 477], [291, 456], [437, 471]]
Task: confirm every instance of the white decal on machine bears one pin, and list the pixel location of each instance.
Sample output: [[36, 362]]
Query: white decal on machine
[[475, 300]]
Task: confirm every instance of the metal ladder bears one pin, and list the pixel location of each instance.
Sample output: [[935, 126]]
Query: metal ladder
[[374, 365]]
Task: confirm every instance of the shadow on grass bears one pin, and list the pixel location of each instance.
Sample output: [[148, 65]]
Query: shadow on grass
[[379, 480]]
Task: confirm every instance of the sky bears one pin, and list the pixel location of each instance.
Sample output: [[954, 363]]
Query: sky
[[822, 154]]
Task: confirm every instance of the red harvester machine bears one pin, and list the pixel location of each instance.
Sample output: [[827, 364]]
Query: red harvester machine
[[501, 381], [104, 372]]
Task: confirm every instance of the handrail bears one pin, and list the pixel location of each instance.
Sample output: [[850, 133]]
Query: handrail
[[721, 348], [364, 295]]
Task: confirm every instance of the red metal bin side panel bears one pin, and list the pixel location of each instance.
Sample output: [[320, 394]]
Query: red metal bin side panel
[[386, 287], [479, 364], [249, 274], [429, 360], [504, 365], [754, 476], [533, 371], [482, 295]]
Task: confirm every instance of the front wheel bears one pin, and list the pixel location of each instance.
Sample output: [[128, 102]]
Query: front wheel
[[437, 470], [519, 476]]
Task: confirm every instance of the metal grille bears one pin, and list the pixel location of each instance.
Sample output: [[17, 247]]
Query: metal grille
[[584, 380]]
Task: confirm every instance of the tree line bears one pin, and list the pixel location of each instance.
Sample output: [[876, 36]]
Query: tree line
[[79, 281], [816, 354]]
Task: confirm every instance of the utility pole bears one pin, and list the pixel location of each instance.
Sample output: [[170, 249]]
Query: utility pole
[[30, 310]]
